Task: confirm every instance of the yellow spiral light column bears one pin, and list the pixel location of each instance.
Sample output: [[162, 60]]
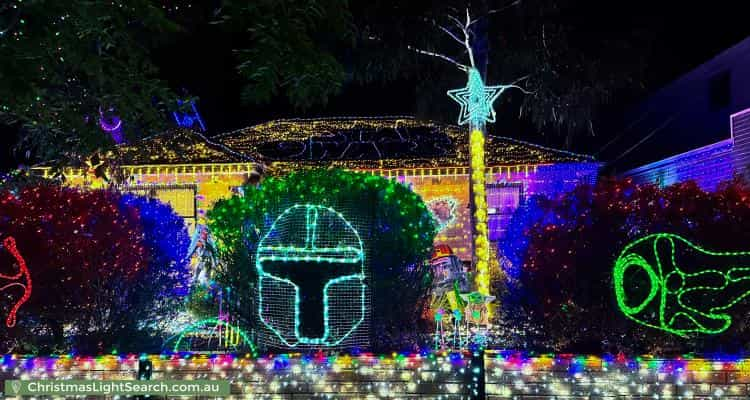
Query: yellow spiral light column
[[476, 109], [480, 242]]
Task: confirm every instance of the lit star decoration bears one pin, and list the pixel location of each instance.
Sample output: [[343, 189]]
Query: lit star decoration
[[476, 100]]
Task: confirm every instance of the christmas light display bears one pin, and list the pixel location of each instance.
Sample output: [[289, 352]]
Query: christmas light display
[[396, 229], [687, 298], [435, 375], [315, 250], [226, 335], [23, 272], [476, 110], [476, 100], [708, 166], [444, 210], [434, 149], [112, 125], [189, 119], [166, 240]]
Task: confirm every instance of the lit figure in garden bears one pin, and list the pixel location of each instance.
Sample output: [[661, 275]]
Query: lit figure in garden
[[664, 281], [311, 277]]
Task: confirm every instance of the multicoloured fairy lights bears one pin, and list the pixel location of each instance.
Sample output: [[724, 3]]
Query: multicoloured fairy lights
[[23, 271], [332, 246], [681, 299], [434, 375]]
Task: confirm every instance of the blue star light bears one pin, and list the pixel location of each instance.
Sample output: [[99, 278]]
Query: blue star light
[[476, 100]]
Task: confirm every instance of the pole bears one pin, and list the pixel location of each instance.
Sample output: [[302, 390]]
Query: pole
[[478, 207]]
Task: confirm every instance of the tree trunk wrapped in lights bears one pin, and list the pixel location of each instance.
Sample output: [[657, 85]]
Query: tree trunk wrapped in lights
[[476, 101]]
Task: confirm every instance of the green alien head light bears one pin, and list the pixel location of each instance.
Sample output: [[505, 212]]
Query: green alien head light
[[664, 281], [311, 269]]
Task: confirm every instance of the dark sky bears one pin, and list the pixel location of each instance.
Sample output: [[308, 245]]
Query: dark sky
[[684, 34]]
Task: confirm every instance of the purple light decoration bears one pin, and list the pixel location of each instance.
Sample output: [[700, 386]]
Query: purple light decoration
[[113, 127], [189, 119], [707, 166]]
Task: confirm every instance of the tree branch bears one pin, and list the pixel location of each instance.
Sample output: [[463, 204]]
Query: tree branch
[[13, 22], [495, 11], [441, 56], [449, 33]]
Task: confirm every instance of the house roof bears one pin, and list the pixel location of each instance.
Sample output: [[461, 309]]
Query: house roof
[[351, 143], [384, 142], [681, 116], [177, 146]]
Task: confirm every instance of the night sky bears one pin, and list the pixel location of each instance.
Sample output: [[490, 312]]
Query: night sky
[[685, 34]]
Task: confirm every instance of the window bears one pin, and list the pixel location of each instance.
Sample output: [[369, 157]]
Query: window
[[180, 196], [720, 90], [502, 201]]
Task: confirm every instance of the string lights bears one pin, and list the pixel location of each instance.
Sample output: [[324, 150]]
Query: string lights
[[23, 271], [440, 374], [189, 119], [327, 262], [687, 299], [232, 336], [286, 145]]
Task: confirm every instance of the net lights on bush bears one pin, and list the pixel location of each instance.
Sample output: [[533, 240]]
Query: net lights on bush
[[303, 237], [690, 289]]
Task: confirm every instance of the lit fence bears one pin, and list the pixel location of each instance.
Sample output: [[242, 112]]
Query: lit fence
[[508, 375]]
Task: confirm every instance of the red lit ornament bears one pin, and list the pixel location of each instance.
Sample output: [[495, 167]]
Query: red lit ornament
[[23, 271]]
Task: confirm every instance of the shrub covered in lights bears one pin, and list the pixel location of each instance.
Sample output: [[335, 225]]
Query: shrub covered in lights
[[564, 250], [102, 268], [396, 228], [166, 280]]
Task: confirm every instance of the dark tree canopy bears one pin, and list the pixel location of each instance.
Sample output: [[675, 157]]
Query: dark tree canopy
[[542, 45], [64, 61]]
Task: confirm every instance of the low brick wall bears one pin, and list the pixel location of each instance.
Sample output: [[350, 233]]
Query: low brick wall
[[595, 378], [437, 376]]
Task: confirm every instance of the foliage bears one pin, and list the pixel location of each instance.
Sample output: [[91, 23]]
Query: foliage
[[565, 250], [63, 61], [396, 227], [166, 280], [289, 48], [99, 268]]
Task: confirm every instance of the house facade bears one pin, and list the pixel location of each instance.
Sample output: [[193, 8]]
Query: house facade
[[696, 128], [192, 171]]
